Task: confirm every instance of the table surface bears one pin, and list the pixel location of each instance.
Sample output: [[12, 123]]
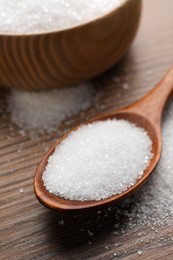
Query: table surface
[[30, 231]]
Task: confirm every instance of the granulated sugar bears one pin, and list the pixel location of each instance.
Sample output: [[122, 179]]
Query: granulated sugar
[[35, 16], [98, 160], [45, 110]]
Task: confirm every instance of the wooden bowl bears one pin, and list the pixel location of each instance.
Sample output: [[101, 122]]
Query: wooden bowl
[[70, 56]]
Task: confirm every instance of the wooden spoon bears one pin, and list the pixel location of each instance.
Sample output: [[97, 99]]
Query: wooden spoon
[[145, 113]]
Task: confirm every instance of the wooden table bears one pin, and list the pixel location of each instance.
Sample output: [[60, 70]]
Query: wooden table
[[30, 231]]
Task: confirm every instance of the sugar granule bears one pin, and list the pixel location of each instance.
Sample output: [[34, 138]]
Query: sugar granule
[[45, 110], [139, 252], [98, 160], [36, 16]]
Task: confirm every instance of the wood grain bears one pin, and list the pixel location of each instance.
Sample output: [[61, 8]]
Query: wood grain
[[67, 57], [30, 231]]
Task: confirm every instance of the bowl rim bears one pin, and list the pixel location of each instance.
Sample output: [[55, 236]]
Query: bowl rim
[[124, 4]]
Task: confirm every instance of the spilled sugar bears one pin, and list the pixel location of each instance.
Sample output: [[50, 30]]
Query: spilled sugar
[[151, 207], [45, 110], [98, 160], [35, 16], [154, 203]]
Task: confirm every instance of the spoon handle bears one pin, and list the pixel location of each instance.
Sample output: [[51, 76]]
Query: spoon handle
[[152, 105]]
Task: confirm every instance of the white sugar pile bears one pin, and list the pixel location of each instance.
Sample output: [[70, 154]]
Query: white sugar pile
[[45, 110], [98, 160], [33, 16]]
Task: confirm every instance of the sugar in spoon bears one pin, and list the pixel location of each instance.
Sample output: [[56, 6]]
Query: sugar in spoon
[[145, 113]]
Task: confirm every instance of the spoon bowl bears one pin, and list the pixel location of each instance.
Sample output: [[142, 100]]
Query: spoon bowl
[[66, 57], [145, 113], [58, 203]]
